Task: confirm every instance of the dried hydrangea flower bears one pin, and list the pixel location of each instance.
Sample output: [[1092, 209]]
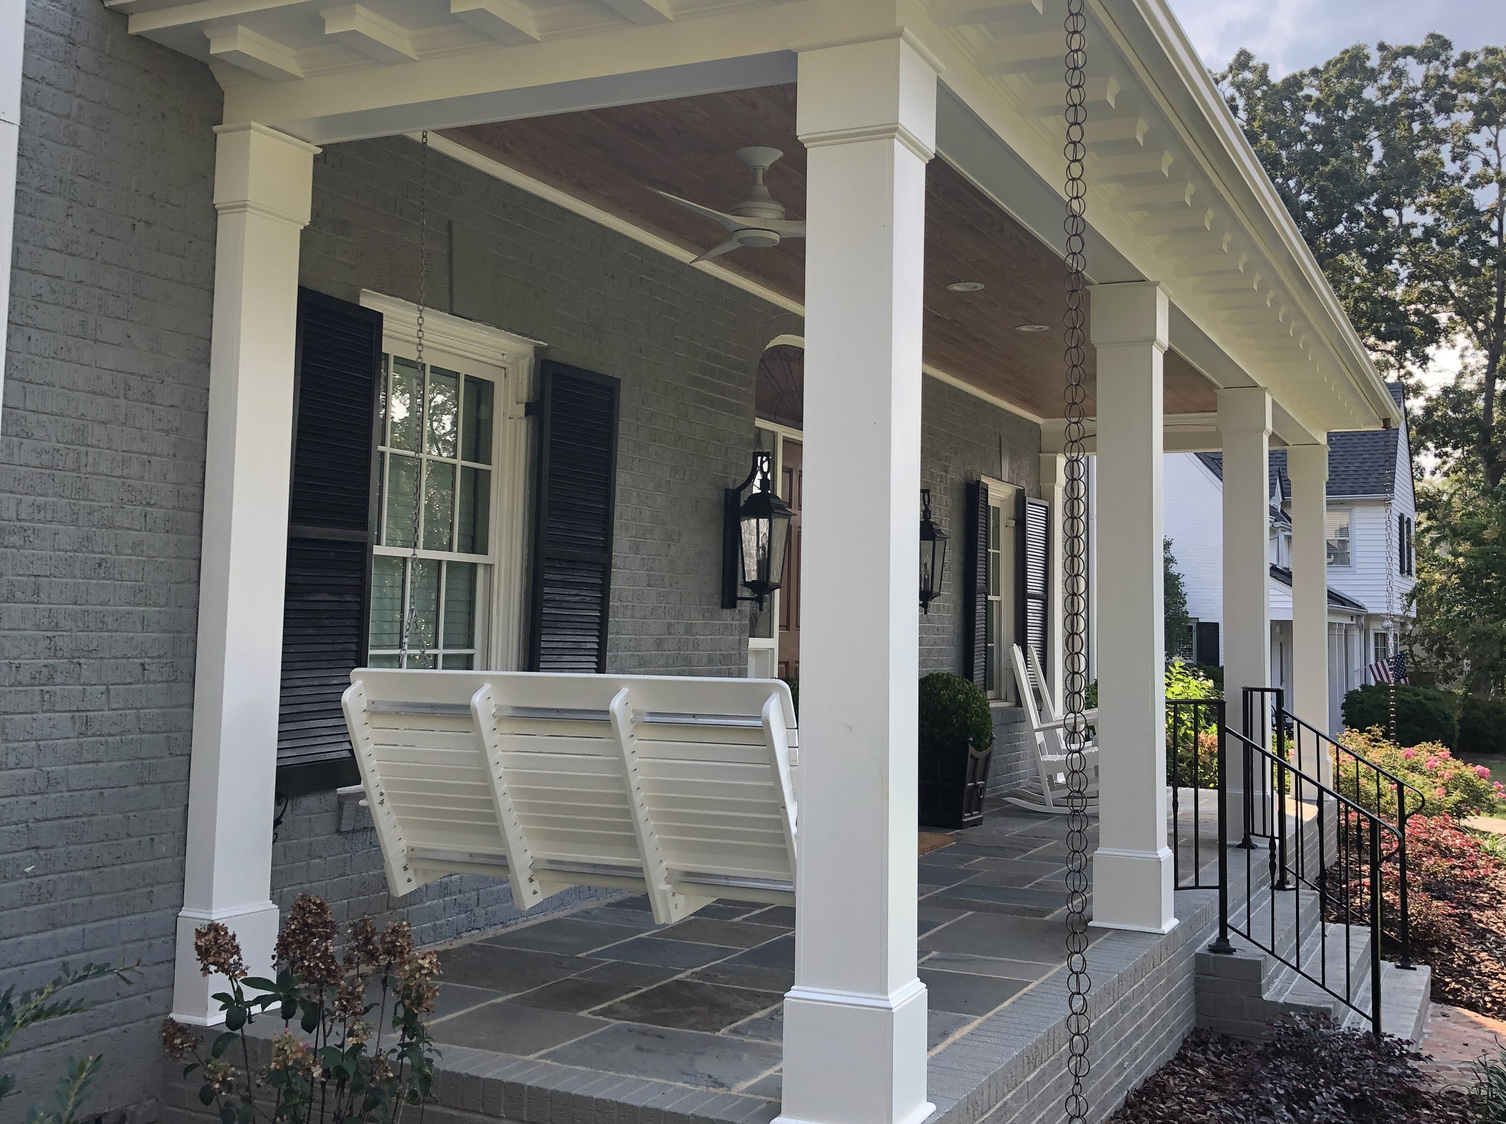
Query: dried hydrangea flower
[[307, 941], [362, 946], [292, 1054], [178, 1040], [397, 944], [350, 1000], [220, 1076], [217, 950]]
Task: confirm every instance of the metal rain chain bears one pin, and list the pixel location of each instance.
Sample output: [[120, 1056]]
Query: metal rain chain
[[1074, 539], [410, 618]]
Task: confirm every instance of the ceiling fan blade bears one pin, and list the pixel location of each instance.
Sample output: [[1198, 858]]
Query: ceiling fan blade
[[717, 251], [731, 222], [785, 228]]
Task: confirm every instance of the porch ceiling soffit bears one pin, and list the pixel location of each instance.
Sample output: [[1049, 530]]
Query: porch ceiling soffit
[[608, 160], [1174, 189]]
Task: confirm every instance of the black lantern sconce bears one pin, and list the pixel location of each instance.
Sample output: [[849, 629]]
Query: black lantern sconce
[[755, 534], [932, 554]]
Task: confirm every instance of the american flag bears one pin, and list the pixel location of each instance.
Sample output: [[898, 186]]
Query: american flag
[[1392, 670]]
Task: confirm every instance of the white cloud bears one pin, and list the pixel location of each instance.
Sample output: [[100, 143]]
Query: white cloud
[[1291, 34]]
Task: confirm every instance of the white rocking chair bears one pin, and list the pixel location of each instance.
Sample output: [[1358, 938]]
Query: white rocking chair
[[1047, 791], [680, 787]]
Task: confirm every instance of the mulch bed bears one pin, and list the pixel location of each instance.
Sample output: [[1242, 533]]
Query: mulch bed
[[1458, 908], [1307, 1072]]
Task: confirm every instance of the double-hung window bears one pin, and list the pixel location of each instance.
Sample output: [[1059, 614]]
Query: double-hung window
[[1337, 525], [1002, 595], [436, 489]]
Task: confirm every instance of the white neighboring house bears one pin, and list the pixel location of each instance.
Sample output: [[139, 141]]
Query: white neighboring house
[[1371, 521]]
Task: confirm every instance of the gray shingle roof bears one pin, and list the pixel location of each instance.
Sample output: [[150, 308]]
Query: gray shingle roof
[[1284, 575], [1360, 463]]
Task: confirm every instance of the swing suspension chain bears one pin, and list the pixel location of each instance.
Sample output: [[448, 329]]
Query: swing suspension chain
[[410, 618], [1074, 533]]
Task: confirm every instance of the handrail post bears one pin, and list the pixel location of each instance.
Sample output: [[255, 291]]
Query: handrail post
[[1405, 925], [1375, 927], [1221, 944]]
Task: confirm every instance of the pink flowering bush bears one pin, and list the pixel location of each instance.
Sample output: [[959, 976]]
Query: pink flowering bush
[[1451, 786]]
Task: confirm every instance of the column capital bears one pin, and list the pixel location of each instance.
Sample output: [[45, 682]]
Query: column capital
[[878, 89], [1130, 312], [1307, 463], [1244, 409], [260, 171]]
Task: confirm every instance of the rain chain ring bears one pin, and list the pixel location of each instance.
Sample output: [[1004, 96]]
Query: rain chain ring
[[1079, 1024], [410, 618]]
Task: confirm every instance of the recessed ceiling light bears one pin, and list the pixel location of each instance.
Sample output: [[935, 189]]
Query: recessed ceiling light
[[965, 286], [1033, 328]]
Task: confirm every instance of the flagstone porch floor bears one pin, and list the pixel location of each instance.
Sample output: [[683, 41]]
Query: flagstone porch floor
[[600, 1006]]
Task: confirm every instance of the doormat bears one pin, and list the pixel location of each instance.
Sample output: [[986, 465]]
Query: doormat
[[935, 841]]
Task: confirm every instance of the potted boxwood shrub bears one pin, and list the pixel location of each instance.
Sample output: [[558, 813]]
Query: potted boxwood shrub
[[956, 747]]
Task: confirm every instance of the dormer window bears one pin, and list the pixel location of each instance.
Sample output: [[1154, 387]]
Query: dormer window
[[1337, 529]]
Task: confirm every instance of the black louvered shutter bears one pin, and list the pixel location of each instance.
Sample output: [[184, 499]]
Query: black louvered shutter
[[1206, 645], [975, 587], [1033, 575], [572, 574], [330, 525]]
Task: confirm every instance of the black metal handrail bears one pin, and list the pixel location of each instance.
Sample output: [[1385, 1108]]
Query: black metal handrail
[[1369, 780], [1322, 842], [1192, 770]]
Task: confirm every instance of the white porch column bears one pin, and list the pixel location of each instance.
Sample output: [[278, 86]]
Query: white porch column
[[855, 1021], [1307, 467], [262, 188], [1053, 491], [1132, 868], [1244, 421]]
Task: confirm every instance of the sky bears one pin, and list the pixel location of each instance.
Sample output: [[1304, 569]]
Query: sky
[[1292, 34]]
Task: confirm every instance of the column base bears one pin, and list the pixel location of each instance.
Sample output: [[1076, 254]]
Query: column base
[[255, 927], [853, 1058], [1133, 890]]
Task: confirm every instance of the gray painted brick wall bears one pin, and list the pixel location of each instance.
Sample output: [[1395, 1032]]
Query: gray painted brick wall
[[101, 467]]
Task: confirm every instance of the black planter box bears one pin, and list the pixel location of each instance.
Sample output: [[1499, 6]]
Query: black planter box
[[953, 780]]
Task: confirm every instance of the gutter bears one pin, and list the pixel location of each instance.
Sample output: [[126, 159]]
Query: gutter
[[12, 39]]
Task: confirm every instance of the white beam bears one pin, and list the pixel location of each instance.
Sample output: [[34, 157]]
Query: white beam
[[372, 35], [967, 13], [1018, 53], [506, 21], [1156, 196], [855, 1021], [1112, 169], [200, 12], [1100, 92], [1132, 868], [642, 12], [12, 36], [1101, 131], [254, 52], [262, 188]]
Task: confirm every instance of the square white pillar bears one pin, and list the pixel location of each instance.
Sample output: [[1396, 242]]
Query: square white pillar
[[855, 1021], [1307, 468], [1132, 868], [262, 189], [1244, 423]]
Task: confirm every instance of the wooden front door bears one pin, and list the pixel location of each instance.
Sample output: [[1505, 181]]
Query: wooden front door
[[790, 488]]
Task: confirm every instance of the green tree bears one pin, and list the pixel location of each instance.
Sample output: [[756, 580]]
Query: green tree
[[1178, 622], [1461, 582], [1392, 162]]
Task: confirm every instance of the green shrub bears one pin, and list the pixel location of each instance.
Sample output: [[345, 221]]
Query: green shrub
[[1482, 724], [1184, 760], [1451, 787], [1423, 714], [953, 709]]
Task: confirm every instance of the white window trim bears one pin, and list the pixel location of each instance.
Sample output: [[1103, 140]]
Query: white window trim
[[1006, 497], [1348, 513], [763, 651], [517, 357]]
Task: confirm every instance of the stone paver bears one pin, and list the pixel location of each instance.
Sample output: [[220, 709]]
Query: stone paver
[[698, 1004]]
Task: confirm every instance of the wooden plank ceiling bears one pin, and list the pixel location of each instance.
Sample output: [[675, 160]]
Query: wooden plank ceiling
[[610, 158]]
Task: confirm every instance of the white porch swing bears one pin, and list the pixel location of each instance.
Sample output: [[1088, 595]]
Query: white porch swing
[[683, 788]]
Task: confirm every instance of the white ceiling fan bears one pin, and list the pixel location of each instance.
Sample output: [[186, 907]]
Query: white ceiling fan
[[758, 221]]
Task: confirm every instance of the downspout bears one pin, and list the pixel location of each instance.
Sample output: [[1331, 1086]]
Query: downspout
[[12, 37]]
